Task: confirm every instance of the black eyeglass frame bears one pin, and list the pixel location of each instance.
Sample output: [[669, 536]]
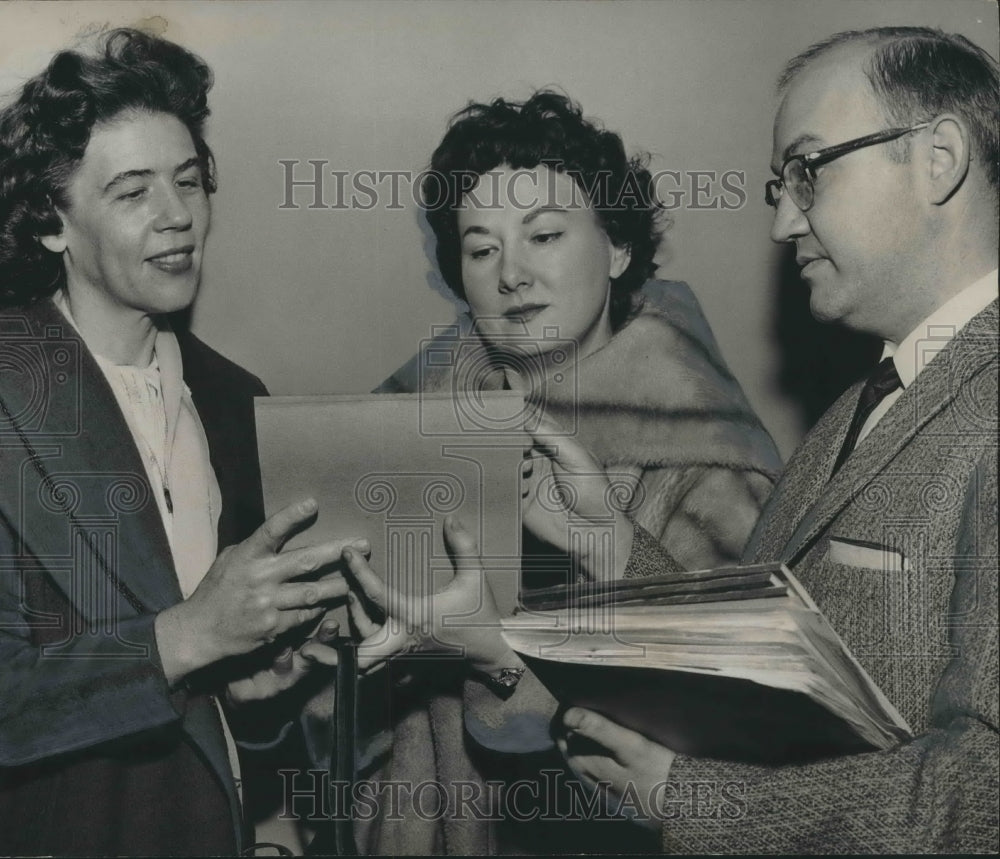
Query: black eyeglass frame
[[775, 188]]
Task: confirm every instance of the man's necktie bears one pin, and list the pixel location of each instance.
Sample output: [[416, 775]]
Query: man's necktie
[[882, 382]]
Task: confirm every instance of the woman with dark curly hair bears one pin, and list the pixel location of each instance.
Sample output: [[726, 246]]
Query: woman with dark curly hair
[[128, 461], [547, 230]]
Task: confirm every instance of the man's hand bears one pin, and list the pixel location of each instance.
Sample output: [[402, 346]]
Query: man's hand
[[462, 616], [249, 597], [564, 485], [616, 756]]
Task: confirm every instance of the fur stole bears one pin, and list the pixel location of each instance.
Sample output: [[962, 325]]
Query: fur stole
[[658, 394]]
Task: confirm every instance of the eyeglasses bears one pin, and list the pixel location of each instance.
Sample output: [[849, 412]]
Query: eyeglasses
[[799, 171]]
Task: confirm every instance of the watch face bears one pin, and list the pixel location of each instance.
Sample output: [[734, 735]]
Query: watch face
[[509, 676]]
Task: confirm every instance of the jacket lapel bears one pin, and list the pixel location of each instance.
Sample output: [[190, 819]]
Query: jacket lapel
[[223, 396], [84, 455], [943, 381], [803, 481]]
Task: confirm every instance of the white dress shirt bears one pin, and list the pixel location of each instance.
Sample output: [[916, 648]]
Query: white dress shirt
[[929, 338]]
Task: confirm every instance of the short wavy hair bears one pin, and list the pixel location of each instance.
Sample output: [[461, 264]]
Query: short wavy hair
[[548, 129], [44, 133]]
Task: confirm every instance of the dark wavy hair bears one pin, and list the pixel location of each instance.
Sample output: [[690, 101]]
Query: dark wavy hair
[[548, 129], [44, 133], [917, 73]]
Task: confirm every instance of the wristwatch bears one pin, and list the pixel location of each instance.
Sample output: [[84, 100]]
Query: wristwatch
[[504, 681]]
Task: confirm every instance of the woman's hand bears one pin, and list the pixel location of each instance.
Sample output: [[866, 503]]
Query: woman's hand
[[289, 667], [568, 501], [463, 616], [252, 594], [625, 761]]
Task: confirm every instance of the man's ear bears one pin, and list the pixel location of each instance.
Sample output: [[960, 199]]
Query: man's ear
[[950, 155], [620, 258]]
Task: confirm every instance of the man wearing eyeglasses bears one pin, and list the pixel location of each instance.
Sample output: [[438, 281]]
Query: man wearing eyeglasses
[[886, 158]]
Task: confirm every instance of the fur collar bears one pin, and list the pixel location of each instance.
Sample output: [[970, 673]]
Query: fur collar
[[658, 394]]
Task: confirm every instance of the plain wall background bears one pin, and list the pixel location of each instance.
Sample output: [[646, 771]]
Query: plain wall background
[[320, 301]]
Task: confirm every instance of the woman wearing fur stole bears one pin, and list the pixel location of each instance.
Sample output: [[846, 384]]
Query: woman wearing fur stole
[[547, 230]]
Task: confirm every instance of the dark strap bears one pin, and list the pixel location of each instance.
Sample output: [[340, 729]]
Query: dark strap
[[882, 382], [337, 837]]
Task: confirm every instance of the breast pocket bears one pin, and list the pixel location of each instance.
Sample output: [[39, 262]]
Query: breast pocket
[[865, 555]]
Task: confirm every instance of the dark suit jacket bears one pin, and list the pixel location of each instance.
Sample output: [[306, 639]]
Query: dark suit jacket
[[899, 550], [97, 755]]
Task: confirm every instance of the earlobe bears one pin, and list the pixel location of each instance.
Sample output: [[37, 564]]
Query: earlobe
[[54, 243], [620, 259], [950, 155]]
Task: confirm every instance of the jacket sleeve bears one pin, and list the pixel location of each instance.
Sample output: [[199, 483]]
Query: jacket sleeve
[[936, 793]]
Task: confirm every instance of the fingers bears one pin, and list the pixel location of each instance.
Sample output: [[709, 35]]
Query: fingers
[[559, 446], [310, 559], [365, 626], [317, 649], [543, 428], [386, 642], [373, 587], [319, 653], [328, 630], [283, 662], [281, 621], [275, 532], [590, 757], [572, 457], [293, 595], [463, 547], [624, 744], [271, 536]]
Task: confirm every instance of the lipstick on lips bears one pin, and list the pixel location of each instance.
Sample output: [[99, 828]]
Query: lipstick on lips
[[524, 312], [174, 261]]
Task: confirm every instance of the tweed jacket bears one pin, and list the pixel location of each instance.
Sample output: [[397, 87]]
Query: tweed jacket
[[657, 402], [899, 550], [97, 755]]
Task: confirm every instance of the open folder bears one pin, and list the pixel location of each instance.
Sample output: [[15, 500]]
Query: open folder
[[735, 663], [390, 467]]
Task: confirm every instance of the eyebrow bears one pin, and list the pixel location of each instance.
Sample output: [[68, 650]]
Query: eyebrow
[[125, 175], [477, 230], [809, 141], [527, 219]]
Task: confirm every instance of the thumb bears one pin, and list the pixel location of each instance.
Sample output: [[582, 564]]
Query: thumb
[[625, 745]]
